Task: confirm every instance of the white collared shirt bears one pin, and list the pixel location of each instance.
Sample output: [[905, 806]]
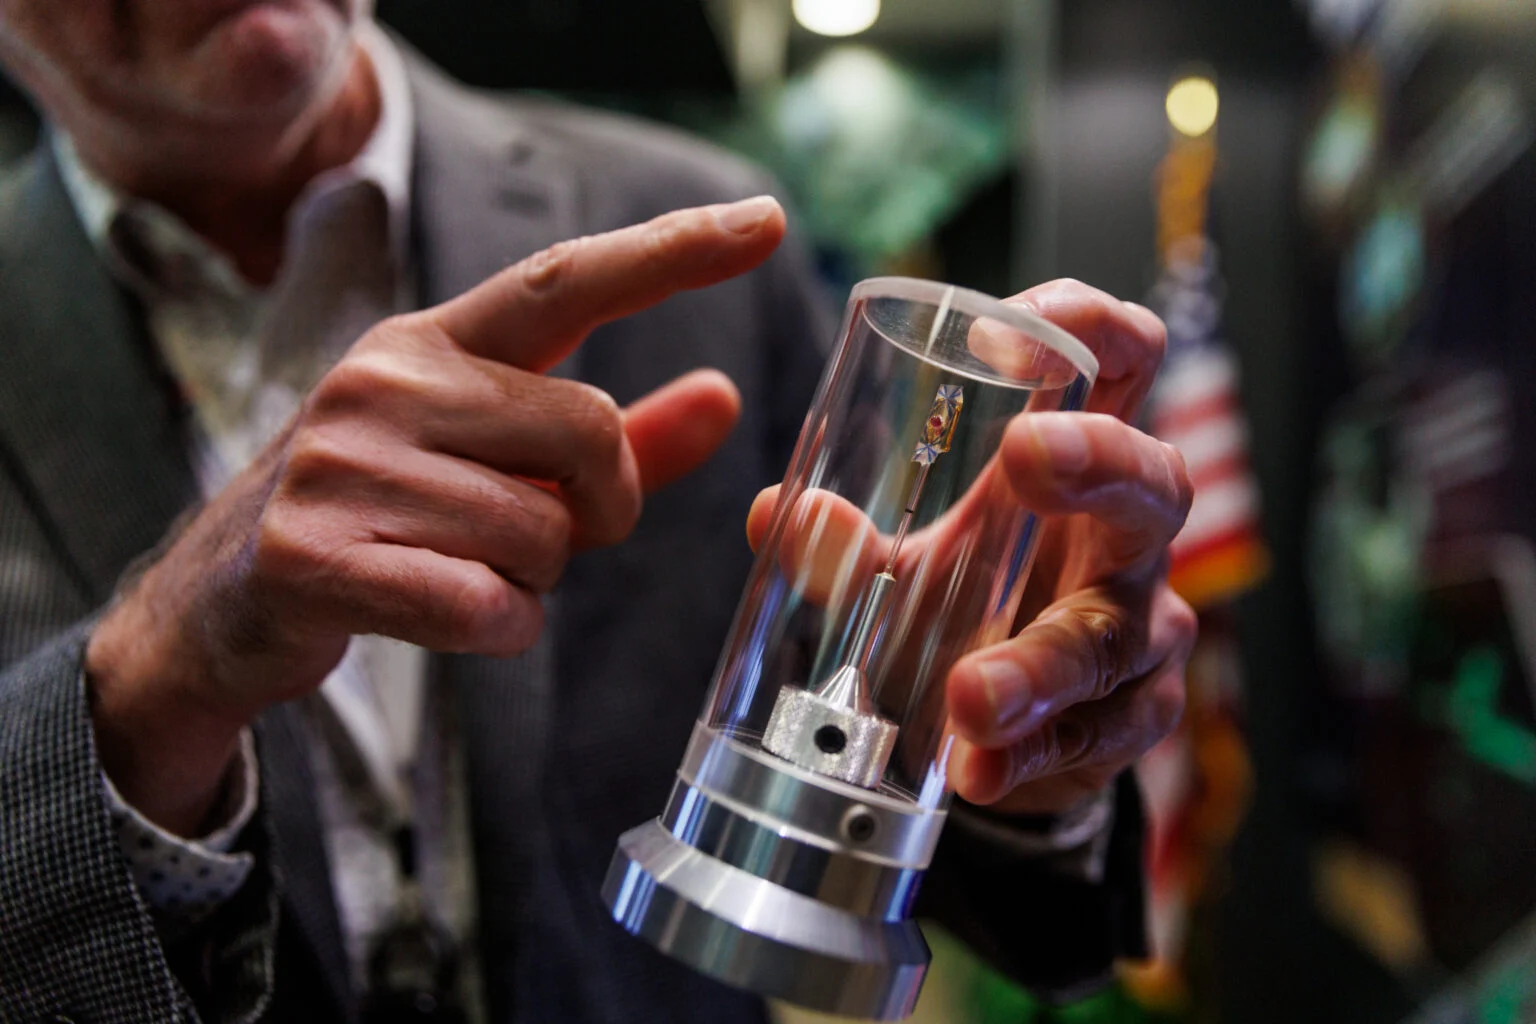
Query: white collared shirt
[[203, 314], [243, 377]]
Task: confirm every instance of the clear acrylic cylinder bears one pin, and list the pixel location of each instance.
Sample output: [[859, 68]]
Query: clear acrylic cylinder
[[812, 794]]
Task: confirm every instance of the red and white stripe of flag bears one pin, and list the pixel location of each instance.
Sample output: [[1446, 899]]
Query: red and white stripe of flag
[[1196, 409]]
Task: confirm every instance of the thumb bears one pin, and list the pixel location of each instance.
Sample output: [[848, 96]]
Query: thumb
[[675, 428]]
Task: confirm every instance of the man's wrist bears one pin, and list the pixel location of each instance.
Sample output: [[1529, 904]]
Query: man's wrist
[[165, 752], [186, 880]]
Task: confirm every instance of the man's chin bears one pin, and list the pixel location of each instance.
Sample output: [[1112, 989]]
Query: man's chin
[[270, 60]]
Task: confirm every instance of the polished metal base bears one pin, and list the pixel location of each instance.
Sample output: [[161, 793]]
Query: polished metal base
[[751, 933], [782, 881]]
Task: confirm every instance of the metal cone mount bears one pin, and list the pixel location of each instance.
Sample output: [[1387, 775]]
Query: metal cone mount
[[832, 730]]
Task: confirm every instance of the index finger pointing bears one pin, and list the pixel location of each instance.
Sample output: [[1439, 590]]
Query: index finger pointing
[[533, 313]]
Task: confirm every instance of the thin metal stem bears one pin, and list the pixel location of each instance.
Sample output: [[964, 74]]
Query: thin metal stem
[[874, 613], [906, 516]]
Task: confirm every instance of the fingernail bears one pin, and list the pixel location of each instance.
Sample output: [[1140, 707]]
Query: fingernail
[[1064, 441], [1007, 689], [747, 216]]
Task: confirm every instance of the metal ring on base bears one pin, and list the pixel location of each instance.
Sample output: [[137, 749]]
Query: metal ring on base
[[795, 801], [749, 932], [836, 877]]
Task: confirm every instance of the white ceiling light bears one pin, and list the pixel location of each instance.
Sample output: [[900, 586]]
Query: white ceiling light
[[837, 17], [1192, 105]]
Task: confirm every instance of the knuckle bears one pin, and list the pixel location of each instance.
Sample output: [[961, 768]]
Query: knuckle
[[665, 235], [1153, 331], [1105, 650], [1086, 737], [478, 608], [621, 511], [316, 457], [286, 548], [1158, 341], [1038, 755], [597, 422], [555, 532], [498, 618], [1184, 620], [400, 331], [1076, 739], [1072, 289], [522, 632], [1105, 312], [634, 503], [1180, 485], [546, 270], [518, 388], [347, 382], [365, 379], [1167, 700], [550, 540]]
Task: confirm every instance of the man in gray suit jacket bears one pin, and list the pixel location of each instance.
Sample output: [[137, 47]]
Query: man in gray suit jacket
[[249, 264]]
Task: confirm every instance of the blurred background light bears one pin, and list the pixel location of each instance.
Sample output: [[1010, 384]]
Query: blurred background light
[[1192, 105], [837, 17]]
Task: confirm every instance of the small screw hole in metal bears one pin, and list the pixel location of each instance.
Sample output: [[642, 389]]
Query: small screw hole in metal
[[859, 825], [830, 739]]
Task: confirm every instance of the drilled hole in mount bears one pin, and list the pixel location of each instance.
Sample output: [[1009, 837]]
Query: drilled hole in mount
[[830, 739], [859, 825]]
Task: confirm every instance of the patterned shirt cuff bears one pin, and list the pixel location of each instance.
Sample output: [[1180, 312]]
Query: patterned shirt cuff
[[1076, 843], [186, 880]]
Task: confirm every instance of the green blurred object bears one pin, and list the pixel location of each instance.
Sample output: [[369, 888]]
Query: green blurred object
[[980, 995], [875, 154], [1470, 708]]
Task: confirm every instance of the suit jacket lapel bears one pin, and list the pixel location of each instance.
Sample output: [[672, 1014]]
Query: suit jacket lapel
[[486, 194], [84, 412]]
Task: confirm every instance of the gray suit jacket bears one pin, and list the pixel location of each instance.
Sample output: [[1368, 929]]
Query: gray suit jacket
[[568, 745]]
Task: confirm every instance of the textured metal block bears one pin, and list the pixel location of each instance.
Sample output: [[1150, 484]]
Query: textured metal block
[[833, 740]]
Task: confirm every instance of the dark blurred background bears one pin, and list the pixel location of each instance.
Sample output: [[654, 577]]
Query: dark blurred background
[[1334, 205]]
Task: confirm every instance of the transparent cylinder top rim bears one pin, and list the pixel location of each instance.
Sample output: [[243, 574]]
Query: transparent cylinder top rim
[[980, 306]]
